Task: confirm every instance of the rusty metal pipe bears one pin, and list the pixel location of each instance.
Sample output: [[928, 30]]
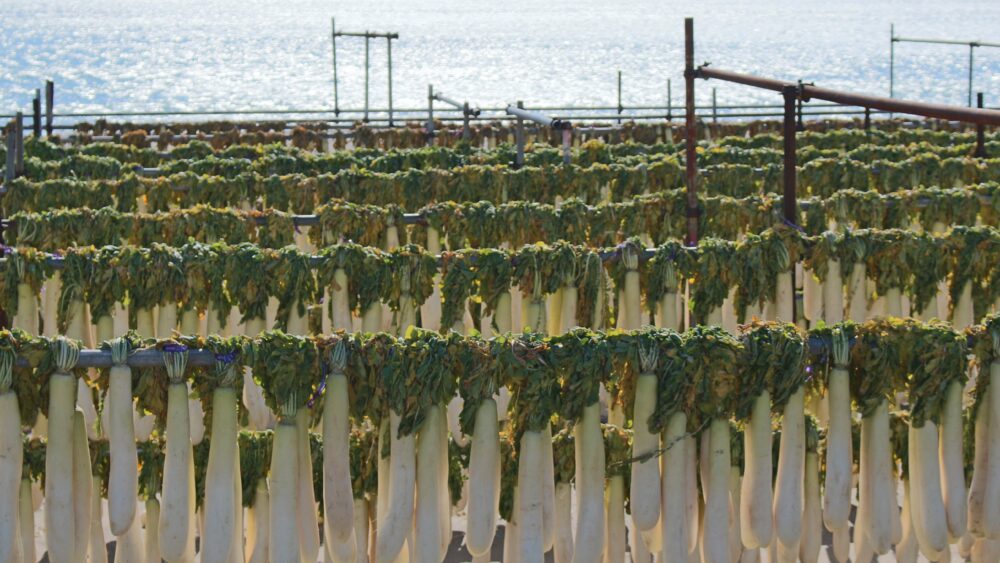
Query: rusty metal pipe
[[691, 134], [940, 111]]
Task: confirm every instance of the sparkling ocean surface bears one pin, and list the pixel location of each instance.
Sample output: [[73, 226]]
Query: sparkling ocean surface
[[117, 55]]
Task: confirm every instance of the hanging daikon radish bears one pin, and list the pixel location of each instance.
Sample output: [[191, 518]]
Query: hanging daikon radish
[[756, 492], [839, 445], [645, 469], [26, 522], [562, 549], [98, 552], [478, 419], [50, 303], [283, 541], [715, 376], [987, 348], [953, 461], [526, 363], [676, 523], [123, 481], [305, 511], [222, 475], [664, 281], [875, 354], [176, 511], [25, 275], [583, 359], [338, 500], [83, 487], [12, 452], [991, 493], [616, 444], [937, 359], [774, 368], [788, 502], [812, 518], [396, 519], [906, 549], [60, 518]]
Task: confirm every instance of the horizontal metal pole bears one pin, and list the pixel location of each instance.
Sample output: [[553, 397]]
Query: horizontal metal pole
[[368, 34], [807, 92], [944, 42]]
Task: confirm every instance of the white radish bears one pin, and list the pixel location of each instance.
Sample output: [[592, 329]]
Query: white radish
[[839, 445], [788, 483], [26, 522], [60, 519], [338, 499], [906, 549], [427, 519], [123, 472], [12, 454], [83, 487], [675, 522], [882, 504], [221, 474], [952, 461], [151, 548], [283, 544], [756, 494], [562, 550], [394, 523], [166, 322], [991, 499], [176, 509], [484, 480], [646, 469], [361, 524], [548, 490], [716, 522], [305, 508], [812, 519], [614, 542], [980, 464], [530, 492], [589, 458]]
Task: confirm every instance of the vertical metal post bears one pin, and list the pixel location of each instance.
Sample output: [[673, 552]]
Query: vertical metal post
[[50, 95], [519, 136], [868, 119], [972, 47], [19, 138], [36, 114], [389, 52], [367, 41], [798, 109], [788, 201], [670, 109], [620, 108], [567, 142], [980, 131], [892, 58], [8, 172], [466, 130], [691, 133], [715, 108], [333, 37], [430, 114], [789, 206]]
